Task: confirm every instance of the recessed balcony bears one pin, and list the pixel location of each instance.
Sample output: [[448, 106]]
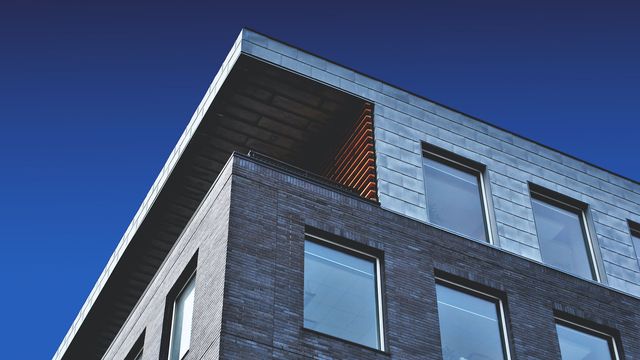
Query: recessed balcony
[[287, 117]]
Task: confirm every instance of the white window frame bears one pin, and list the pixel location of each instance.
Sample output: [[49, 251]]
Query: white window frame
[[173, 314], [481, 184], [139, 354], [581, 211], [137, 349], [587, 330], [504, 332], [380, 311]]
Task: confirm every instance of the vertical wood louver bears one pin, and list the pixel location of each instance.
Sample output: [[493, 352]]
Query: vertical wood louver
[[354, 164]]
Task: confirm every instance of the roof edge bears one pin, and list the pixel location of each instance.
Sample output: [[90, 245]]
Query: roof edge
[[245, 43], [153, 192], [250, 34]]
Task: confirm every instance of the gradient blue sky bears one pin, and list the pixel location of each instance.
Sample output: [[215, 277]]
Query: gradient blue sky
[[94, 95]]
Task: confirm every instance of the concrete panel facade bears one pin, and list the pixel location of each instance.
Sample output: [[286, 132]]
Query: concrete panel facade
[[403, 121]]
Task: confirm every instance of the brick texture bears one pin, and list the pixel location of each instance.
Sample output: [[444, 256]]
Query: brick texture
[[206, 235], [263, 310], [249, 238]]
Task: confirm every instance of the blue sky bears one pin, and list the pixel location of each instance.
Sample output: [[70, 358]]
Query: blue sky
[[94, 95]]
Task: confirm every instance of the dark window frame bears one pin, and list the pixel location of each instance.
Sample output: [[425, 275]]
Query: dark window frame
[[579, 208], [585, 327], [357, 250], [468, 166], [634, 232], [480, 292]]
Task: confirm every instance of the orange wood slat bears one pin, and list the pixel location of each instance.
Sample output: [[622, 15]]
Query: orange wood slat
[[349, 150], [364, 122], [363, 125], [354, 164], [359, 181], [358, 171], [364, 138], [370, 189], [357, 156]]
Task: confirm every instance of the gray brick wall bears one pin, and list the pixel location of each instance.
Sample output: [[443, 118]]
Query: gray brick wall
[[403, 120], [263, 303], [205, 234], [249, 236]]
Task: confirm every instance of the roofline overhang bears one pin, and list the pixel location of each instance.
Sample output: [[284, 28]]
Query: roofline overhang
[[155, 190], [285, 56]]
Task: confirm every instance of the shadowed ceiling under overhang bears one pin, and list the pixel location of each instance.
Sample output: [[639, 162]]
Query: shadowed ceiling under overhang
[[260, 107]]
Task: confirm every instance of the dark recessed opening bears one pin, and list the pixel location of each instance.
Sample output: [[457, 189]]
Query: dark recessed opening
[[293, 119]]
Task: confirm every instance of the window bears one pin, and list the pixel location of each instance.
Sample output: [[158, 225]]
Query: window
[[139, 356], [342, 293], [454, 193], [178, 314], [471, 324], [580, 343], [563, 237], [136, 350], [635, 238], [181, 323]]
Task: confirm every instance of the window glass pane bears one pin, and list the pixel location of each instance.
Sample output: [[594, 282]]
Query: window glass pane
[[469, 326], [182, 317], [340, 296], [578, 345], [453, 199], [561, 237]]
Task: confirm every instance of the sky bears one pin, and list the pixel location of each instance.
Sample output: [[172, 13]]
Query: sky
[[94, 95]]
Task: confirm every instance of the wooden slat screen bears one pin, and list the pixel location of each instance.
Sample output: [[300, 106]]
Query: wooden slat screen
[[354, 164]]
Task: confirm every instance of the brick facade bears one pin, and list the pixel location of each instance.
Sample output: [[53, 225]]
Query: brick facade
[[256, 265], [206, 238]]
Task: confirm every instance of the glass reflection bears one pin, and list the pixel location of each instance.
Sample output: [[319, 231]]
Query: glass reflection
[[454, 199], [470, 328], [562, 239], [578, 345], [340, 294], [182, 320]]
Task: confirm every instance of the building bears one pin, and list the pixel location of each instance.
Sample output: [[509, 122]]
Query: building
[[311, 211]]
